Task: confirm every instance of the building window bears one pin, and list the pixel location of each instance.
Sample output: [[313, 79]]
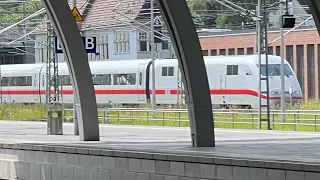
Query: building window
[[231, 51], [318, 59], [205, 52], [167, 71], [270, 50], [222, 52], [165, 45], [213, 52], [278, 51], [289, 54], [143, 41], [300, 62], [250, 51], [164, 42], [240, 51], [232, 69], [102, 47], [40, 51], [311, 71], [122, 43]]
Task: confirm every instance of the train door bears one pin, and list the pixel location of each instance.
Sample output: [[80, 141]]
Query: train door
[[42, 87], [222, 81], [36, 87], [222, 78], [140, 84]]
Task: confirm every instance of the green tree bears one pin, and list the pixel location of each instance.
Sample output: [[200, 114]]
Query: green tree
[[232, 21], [203, 12], [221, 16], [12, 13]]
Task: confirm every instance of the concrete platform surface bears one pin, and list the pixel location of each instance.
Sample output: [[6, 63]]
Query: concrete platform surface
[[269, 146]]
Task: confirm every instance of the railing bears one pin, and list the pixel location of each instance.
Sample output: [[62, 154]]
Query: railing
[[296, 120]]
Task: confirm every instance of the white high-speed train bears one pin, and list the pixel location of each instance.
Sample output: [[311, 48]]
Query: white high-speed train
[[233, 80]]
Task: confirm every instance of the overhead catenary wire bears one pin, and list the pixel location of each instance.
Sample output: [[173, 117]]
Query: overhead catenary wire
[[209, 14]]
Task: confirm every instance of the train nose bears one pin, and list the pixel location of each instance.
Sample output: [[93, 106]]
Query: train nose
[[292, 96], [288, 91]]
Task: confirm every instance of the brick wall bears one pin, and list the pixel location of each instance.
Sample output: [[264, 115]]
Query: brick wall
[[239, 44]]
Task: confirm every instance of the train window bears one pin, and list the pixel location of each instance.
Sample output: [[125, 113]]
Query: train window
[[167, 71], [102, 79], [17, 81], [124, 79], [232, 69], [43, 79], [140, 78], [4, 81], [164, 71], [64, 80]]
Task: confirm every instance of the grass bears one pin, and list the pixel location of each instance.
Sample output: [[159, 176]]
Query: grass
[[223, 119]]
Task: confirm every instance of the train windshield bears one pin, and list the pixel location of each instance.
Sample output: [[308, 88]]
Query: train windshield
[[275, 70]]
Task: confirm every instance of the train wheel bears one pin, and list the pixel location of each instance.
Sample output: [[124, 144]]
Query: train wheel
[[224, 106]]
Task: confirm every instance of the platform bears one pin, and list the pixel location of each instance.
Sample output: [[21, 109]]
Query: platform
[[268, 150]]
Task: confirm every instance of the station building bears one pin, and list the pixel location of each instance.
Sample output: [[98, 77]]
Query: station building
[[121, 28]]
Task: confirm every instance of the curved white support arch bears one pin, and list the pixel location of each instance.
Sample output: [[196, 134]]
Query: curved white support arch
[[183, 35], [69, 36]]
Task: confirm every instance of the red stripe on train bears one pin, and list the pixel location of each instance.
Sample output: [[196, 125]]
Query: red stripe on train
[[158, 92], [238, 92]]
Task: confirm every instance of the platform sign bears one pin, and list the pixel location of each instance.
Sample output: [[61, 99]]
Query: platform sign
[[90, 44], [76, 14], [157, 29], [157, 21]]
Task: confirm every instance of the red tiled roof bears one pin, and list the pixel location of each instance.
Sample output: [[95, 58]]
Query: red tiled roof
[[104, 12]]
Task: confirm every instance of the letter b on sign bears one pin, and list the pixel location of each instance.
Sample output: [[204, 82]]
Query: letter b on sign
[[90, 44]]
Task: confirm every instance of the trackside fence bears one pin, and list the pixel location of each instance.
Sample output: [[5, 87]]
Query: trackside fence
[[295, 120]]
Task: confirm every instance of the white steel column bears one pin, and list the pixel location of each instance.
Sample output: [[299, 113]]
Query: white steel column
[[154, 104], [283, 95], [75, 115]]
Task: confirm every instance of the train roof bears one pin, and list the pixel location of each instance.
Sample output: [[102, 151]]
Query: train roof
[[251, 59], [130, 64], [18, 68]]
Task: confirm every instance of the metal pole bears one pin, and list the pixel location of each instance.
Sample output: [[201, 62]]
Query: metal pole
[[267, 60], [1, 80], [283, 102], [75, 115], [153, 66], [259, 55]]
